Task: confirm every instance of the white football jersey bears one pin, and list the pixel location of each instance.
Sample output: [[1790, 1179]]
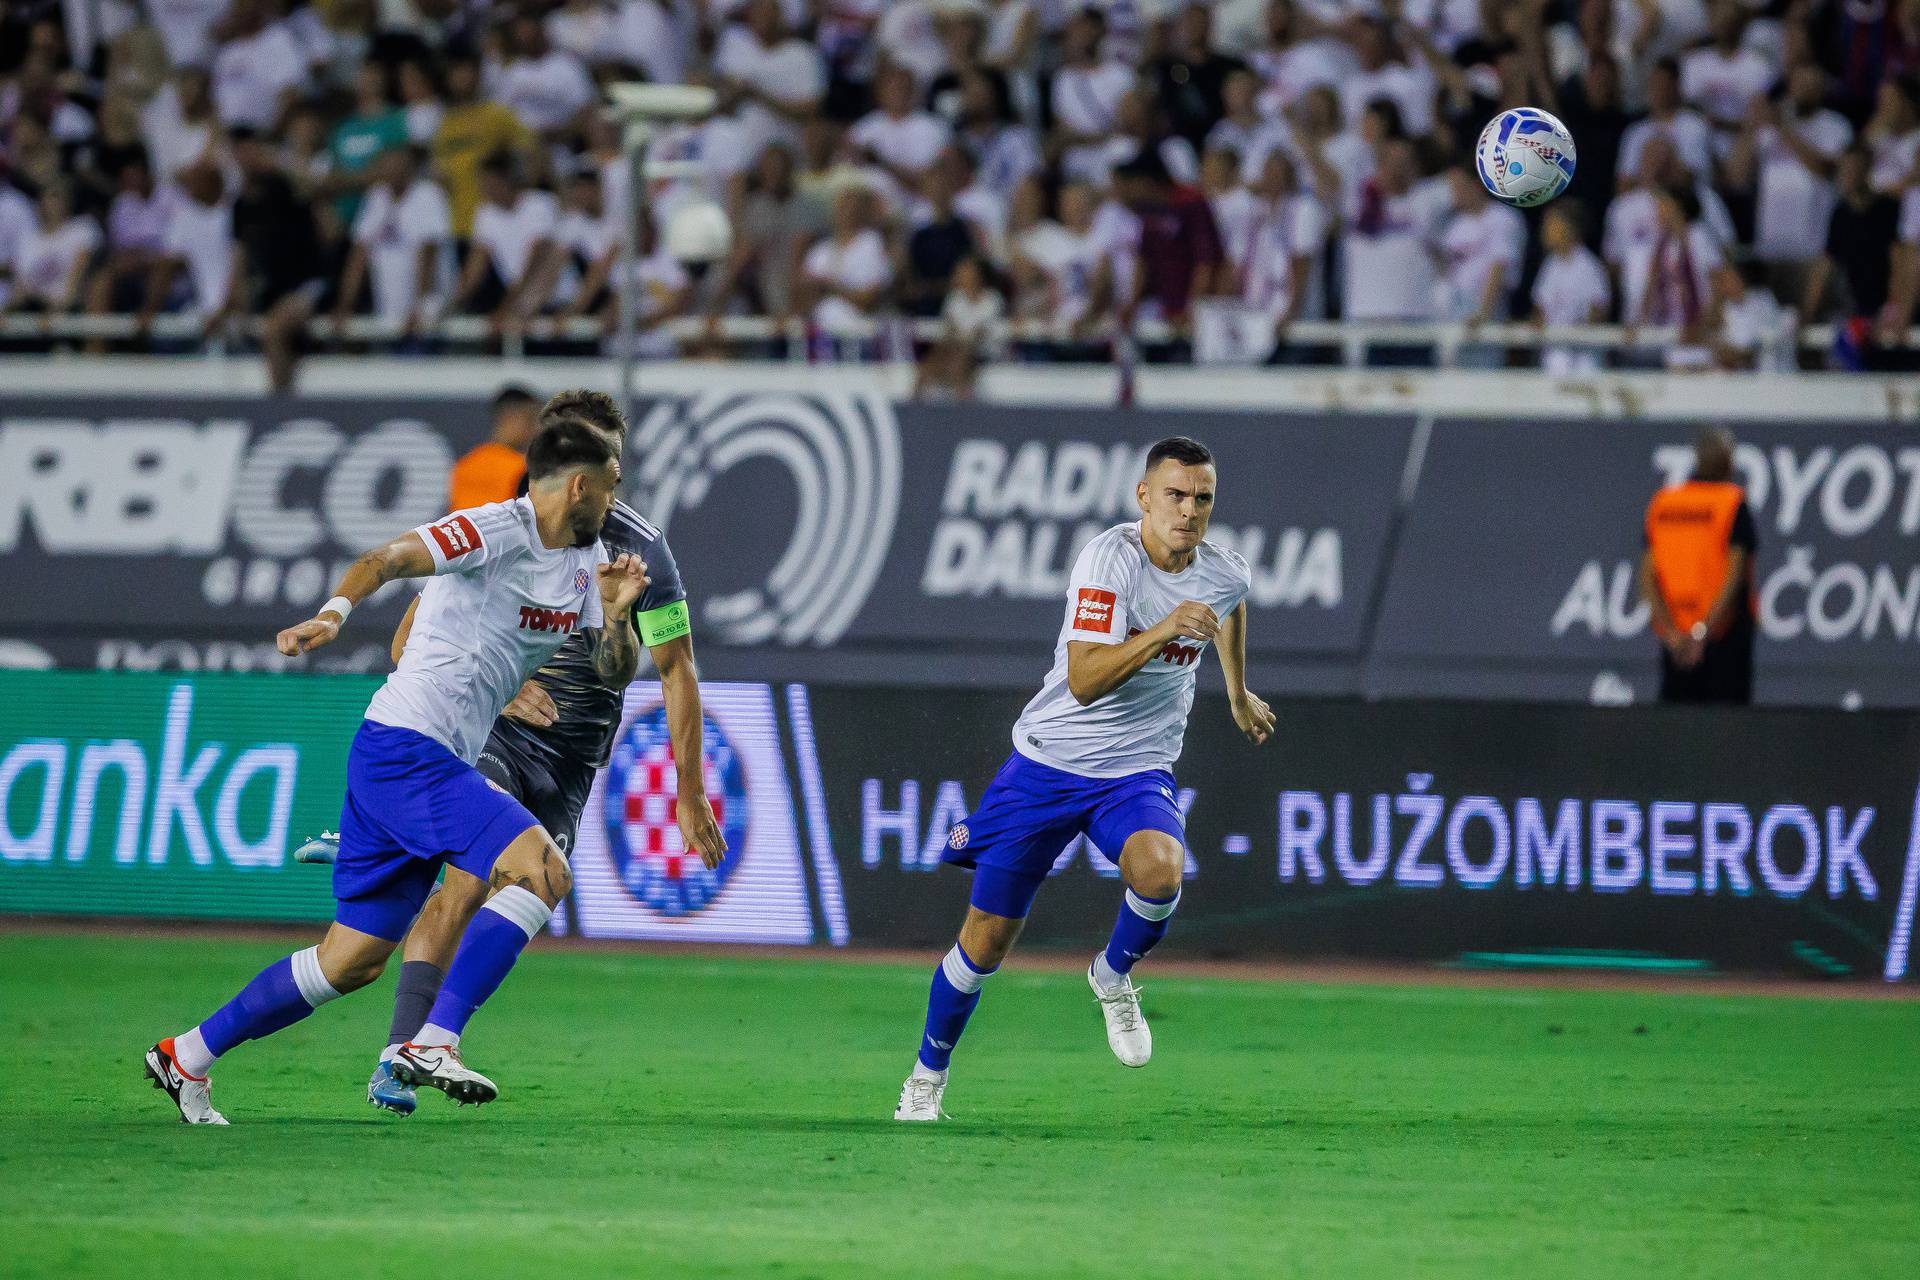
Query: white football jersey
[[498, 607], [1116, 593]]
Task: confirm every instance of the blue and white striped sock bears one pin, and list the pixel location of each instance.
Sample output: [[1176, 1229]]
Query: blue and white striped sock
[[499, 933], [1142, 923], [280, 995], [955, 993]]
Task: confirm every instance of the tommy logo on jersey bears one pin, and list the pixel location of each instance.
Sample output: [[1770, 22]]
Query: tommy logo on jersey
[[1180, 655], [1094, 611], [535, 618], [456, 536]]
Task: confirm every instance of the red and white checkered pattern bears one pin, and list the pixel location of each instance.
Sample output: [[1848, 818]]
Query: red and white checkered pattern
[[651, 810]]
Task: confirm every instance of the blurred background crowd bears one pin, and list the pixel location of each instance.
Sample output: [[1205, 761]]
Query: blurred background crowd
[[1023, 178]]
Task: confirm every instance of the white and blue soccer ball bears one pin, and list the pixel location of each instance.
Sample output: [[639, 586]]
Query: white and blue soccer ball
[[1524, 157]]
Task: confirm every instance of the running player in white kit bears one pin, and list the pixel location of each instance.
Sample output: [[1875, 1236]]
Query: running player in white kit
[[511, 581], [1093, 754]]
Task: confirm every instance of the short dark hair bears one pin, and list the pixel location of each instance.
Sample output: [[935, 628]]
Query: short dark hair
[[564, 445], [512, 396], [1184, 450], [595, 408], [1147, 166]]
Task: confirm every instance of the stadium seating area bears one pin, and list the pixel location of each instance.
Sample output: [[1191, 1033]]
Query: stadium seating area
[[1014, 176]]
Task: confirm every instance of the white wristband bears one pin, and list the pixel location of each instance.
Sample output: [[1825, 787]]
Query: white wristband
[[340, 605]]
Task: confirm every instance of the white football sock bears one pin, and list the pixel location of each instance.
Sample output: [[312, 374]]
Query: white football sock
[[386, 1054], [922, 1071], [190, 1051], [436, 1035], [1104, 975]]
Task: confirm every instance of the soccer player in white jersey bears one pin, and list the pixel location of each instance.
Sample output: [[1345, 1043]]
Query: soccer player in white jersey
[[1093, 753], [511, 581]]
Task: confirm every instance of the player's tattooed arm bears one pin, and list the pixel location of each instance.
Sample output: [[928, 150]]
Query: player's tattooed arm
[[1250, 711], [616, 647], [405, 557], [680, 690], [1096, 670]]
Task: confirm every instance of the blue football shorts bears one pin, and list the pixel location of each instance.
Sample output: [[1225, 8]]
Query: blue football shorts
[[411, 806], [1032, 811]]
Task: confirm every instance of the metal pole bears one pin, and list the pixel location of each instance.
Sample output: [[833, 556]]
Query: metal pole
[[635, 139]]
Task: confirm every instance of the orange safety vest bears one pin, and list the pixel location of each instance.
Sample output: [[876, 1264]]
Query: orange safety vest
[[489, 472], [1689, 532]]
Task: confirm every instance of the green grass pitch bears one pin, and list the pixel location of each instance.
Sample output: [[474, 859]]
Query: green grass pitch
[[687, 1116]]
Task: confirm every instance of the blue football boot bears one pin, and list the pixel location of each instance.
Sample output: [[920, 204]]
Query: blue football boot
[[387, 1093]]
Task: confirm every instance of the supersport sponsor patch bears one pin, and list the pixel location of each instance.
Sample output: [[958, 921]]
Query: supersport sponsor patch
[[1093, 611], [456, 536]]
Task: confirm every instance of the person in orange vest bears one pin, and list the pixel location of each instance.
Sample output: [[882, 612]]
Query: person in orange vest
[[1697, 577], [491, 472]]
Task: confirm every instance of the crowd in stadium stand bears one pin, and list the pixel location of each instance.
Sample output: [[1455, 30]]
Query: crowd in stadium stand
[[1226, 170]]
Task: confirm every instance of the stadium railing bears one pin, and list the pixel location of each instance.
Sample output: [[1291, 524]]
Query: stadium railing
[[1353, 341]]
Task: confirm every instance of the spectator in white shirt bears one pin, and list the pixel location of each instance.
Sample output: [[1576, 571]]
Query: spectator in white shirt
[[1571, 289], [897, 137], [585, 30], [50, 260], [1384, 72], [1787, 155], [513, 233], [547, 88], [1483, 243], [17, 221], [1633, 217], [1894, 134], [969, 323], [648, 35], [403, 237], [200, 246], [1388, 243], [420, 102], [1668, 117], [1274, 235], [1086, 98], [771, 81], [1724, 78], [1004, 153], [1292, 61], [844, 278], [259, 70], [1670, 281], [1751, 330], [1243, 128], [663, 290], [186, 28], [1060, 268], [1286, 247], [587, 244], [178, 122]]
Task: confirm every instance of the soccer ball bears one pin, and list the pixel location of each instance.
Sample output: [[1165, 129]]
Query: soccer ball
[[1524, 157]]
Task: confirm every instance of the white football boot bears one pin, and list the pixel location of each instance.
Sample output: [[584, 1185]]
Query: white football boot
[[192, 1094], [920, 1097], [438, 1066], [1127, 1033], [321, 850]]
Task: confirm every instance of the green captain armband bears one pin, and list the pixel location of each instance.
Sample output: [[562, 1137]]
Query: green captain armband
[[668, 622]]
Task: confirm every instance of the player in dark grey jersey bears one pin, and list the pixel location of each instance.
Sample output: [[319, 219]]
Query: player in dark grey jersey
[[554, 737]]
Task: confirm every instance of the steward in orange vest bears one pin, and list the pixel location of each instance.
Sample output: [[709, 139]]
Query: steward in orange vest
[[1697, 577]]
